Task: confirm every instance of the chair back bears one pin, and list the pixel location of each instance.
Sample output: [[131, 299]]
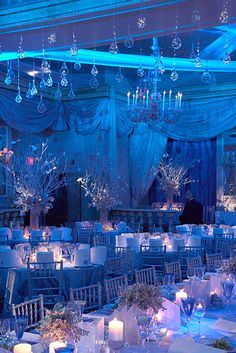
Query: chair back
[[147, 275], [193, 262], [188, 252], [11, 277], [153, 256], [102, 240], [211, 261], [66, 234], [114, 287], [56, 235], [175, 268], [115, 266], [91, 294], [36, 236], [84, 235], [33, 309]]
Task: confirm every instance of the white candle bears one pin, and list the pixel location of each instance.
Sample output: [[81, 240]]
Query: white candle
[[170, 92], [163, 100], [180, 100], [147, 98], [133, 98], [22, 348], [143, 100], [136, 96], [176, 102], [116, 329], [54, 345], [180, 295], [128, 99]]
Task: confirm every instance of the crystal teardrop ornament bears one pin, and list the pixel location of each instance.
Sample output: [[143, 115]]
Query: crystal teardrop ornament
[[18, 98], [58, 94], [11, 73], [41, 106], [161, 68], [227, 59], [64, 69], [119, 76], [77, 65], [34, 90], [176, 42], [94, 70], [206, 77], [64, 81], [7, 79], [42, 83], [20, 53], [196, 17], [52, 38], [49, 81], [93, 83], [198, 62], [224, 16], [71, 94], [140, 71], [28, 93], [129, 42], [45, 67], [73, 49], [113, 48], [174, 75], [141, 22]]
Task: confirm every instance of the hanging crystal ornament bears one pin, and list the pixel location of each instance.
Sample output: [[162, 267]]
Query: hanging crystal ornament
[[213, 79], [94, 70], [224, 16], [197, 60], [52, 37], [20, 51], [58, 94], [93, 83], [42, 83], [140, 71], [1, 52], [34, 90], [174, 75], [7, 79], [119, 76], [74, 48], [64, 69], [28, 93], [64, 81], [141, 22], [129, 42], [176, 42], [41, 106], [49, 81], [227, 58], [113, 49], [77, 65], [206, 76], [196, 17], [11, 73], [45, 66], [18, 98], [71, 93]]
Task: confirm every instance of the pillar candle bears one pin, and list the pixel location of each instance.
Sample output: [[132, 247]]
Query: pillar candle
[[147, 98], [56, 344], [22, 348], [128, 99], [180, 295], [163, 100], [116, 329], [170, 92]]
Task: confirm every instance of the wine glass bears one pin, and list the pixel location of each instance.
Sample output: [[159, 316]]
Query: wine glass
[[199, 313], [169, 282], [4, 330], [143, 321], [187, 306], [199, 272], [20, 326], [227, 287]]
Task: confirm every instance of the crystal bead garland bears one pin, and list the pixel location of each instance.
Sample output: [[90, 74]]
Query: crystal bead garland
[[41, 106], [49, 81], [176, 42], [58, 94], [71, 93], [74, 48], [174, 75], [198, 62], [119, 76], [224, 16], [129, 42], [52, 37], [141, 22], [196, 17], [18, 98], [28, 93], [20, 51]]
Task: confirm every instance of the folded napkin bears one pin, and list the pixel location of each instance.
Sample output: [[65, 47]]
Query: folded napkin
[[182, 345], [225, 325], [30, 337]]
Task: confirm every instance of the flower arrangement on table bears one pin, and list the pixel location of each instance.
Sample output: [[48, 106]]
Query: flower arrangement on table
[[61, 324], [142, 296], [229, 268]]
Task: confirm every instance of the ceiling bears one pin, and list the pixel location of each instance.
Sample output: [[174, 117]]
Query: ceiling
[[92, 22]]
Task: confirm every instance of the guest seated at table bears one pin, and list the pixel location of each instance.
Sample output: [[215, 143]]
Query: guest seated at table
[[192, 213]]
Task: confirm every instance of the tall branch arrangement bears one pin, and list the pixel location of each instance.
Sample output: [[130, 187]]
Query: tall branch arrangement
[[33, 176], [171, 174]]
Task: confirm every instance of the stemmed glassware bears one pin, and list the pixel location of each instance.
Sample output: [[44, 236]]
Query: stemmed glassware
[[169, 282], [20, 326], [77, 307], [227, 287], [199, 313], [187, 306], [199, 271], [143, 321], [4, 330]]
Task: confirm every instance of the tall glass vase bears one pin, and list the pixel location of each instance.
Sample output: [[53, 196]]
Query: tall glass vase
[[103, 215], [169, 198], [35, 212]]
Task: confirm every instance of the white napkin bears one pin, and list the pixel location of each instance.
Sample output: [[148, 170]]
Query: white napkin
[[30, 337], [225, 325], [182, 345]]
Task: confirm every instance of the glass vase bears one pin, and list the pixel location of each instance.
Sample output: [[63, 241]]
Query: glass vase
[[35, 212]]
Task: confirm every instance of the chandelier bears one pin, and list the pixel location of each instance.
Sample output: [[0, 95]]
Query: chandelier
[[148, 104]]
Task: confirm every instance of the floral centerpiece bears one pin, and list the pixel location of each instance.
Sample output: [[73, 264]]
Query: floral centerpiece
[[61, 324], [229, 268], [142, 296]]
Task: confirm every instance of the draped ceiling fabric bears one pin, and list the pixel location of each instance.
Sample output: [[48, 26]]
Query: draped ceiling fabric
[[201, 119]]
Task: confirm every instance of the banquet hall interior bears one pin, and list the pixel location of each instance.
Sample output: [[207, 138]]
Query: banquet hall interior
[[117, 176]]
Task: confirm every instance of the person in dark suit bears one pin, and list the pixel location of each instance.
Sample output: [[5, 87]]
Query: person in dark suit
[[192, 212]]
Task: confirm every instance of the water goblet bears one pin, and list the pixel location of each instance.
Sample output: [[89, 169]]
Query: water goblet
[[20, 326], [227, 287], [199, 313], [187, 306], [143, 322], [169, 282], [5, 330]]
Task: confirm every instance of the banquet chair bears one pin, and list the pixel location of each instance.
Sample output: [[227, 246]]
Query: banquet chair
[[174, 268], [102, 240], [224, 246], [193, 262], [33, 309], [208, 245], [91, 294], [114, 287], [147, 275], [36, 236], [11, 277], [46, 279], [56, 235], [84, 235], [115, 266], [66, 235], [211, 261], [24, 251], [113, 251], [187, 252], [153, 256]]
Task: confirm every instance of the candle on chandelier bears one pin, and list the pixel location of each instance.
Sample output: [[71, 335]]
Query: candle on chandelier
[[133, 99], [176, 101], [144, 100], [128, 98], [136, 96], [163, 100], [170, 92], [180, 100], [147, 98]]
